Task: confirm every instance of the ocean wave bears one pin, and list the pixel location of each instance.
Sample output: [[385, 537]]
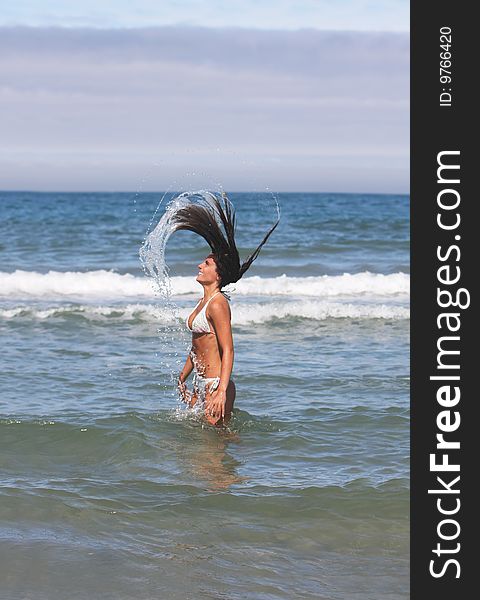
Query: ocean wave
[[111, 285], [242, 314]]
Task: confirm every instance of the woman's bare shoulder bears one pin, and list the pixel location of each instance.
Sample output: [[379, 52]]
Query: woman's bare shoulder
[[219, 306]]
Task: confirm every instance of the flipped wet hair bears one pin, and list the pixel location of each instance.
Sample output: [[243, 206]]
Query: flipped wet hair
[[204, 218]]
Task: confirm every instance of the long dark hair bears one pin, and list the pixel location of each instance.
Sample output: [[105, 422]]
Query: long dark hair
[[204, 217]]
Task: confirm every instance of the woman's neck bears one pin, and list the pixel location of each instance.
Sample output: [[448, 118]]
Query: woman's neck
[[210, 290]]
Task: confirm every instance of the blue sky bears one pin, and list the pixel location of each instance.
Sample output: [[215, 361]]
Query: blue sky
[[358, 15], [92, 99]]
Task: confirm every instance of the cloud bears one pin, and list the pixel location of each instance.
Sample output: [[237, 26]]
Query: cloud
[[307, 109]]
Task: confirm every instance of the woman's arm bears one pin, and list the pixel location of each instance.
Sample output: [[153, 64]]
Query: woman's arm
[[187, 369], [220, 316]]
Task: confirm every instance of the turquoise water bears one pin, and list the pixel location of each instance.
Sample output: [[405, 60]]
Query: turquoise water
[[108, 488]]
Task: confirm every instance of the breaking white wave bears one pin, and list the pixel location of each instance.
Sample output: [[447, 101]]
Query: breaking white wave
[[242, 314], [111, 285]]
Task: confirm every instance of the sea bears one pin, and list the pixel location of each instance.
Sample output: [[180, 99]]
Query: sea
[[111, 489]]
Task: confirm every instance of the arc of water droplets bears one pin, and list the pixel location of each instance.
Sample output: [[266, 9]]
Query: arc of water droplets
[[152, 252]]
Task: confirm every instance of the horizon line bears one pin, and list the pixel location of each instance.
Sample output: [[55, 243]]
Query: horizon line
[[139, 193]]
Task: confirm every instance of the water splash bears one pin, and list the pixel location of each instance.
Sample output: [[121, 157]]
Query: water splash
[[152, 252]]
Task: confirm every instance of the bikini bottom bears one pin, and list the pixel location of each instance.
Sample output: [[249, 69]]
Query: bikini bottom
[[202, 385]]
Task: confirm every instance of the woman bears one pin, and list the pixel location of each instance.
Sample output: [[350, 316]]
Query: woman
[[212, 353], [212, 348]]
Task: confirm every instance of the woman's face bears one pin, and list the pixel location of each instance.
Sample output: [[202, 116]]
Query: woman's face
[[207, 271]]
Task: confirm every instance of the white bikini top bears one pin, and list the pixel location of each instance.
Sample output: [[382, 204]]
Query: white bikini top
[[200, 323]]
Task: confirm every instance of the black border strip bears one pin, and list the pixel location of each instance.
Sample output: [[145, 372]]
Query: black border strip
[[447, 127]]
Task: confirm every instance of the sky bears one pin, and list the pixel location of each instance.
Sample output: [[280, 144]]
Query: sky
[[358, 15], [287, 95]]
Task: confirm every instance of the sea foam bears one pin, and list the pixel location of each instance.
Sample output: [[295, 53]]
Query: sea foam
[[242, 313], [104, 284]]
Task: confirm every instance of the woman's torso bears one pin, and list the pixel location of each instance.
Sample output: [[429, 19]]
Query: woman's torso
[[206, 354]]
